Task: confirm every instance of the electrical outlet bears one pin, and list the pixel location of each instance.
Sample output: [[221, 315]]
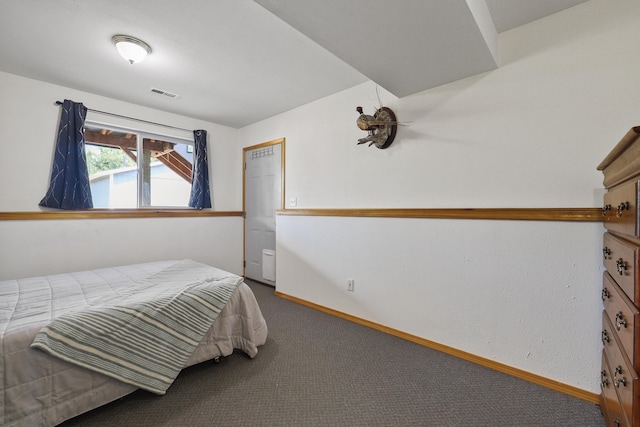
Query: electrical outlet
[[350, 285]]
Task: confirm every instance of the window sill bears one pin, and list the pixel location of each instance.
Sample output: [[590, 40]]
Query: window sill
[[115, 213]]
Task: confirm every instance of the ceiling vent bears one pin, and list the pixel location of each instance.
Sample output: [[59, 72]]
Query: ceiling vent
[[164, 92]]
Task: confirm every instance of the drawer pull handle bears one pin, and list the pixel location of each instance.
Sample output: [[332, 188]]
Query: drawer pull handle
[[605, 209], [604, 382], [617, 381], [605, 294], [606, 252], [621, 266], [605, 336], [622, 207], [620, 321]]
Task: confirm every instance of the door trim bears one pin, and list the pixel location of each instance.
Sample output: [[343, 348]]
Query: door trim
[[280, 141]]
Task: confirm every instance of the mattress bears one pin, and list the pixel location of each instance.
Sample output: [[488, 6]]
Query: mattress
[[37, 389]]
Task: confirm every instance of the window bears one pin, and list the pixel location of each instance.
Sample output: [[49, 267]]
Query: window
[[120, 178]]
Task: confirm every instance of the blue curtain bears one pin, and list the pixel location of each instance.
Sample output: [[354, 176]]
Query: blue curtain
[[69, 187], [200, 194]]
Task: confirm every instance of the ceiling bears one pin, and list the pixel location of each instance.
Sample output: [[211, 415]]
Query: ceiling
[[236, 62]]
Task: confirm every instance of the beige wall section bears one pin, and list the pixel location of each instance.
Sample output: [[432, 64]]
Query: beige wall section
[[529, 134]]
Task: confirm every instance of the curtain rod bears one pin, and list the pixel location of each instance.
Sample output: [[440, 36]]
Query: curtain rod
[[132, 118]]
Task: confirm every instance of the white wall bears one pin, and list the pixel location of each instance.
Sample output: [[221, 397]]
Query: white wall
[[33, 248], [28, 125], [522, 294], [529, 134]]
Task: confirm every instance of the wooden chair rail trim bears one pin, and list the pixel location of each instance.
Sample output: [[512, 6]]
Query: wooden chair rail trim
[[115, 213], [488, 363], [528, 214]]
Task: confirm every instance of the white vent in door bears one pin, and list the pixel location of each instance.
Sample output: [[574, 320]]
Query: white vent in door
[[256, 154]]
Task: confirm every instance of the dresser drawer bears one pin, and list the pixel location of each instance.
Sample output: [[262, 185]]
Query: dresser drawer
[[612, 409], [623, 315], [621, 261], [623, 376], [620, 209]]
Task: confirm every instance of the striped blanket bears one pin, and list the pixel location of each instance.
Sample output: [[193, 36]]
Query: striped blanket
[[145, 336]]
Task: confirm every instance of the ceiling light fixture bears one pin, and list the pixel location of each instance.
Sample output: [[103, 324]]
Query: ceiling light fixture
[[130, 48]]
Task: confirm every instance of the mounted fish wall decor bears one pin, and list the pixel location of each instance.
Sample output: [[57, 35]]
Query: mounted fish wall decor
[[381, 127]]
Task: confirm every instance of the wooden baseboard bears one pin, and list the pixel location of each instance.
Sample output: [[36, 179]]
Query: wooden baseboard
[[515, 372]]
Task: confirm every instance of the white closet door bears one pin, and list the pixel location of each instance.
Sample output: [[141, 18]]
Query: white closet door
[[263, 195]]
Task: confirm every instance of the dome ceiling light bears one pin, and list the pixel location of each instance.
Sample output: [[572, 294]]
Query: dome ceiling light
[[130, 48]]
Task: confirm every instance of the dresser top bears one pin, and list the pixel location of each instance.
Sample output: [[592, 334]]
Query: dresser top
[[623, 162]]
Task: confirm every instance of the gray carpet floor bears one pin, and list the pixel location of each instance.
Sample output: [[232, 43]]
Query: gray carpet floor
[[319, 370]]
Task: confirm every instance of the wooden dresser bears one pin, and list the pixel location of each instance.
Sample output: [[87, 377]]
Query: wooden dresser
[[620, 397]]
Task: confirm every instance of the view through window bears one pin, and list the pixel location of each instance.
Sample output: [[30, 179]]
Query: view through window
[[120, 178]]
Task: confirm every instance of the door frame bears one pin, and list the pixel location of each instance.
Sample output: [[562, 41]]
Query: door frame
[[281, 205]]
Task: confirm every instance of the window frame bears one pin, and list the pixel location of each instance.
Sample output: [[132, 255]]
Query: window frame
[[141, 135]]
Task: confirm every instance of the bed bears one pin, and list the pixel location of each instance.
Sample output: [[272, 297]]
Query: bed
[[41, 386]]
